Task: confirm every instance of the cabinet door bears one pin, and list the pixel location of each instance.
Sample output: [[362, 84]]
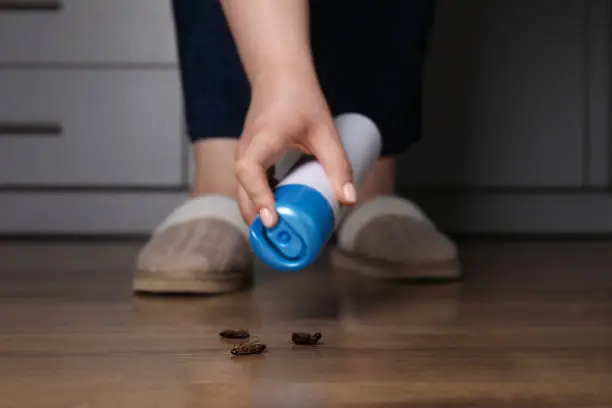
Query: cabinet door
[[87, 31], [505, 99], [90, 128]]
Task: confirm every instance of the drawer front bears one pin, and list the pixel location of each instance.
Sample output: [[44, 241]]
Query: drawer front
[[86, 31], [90, 128]]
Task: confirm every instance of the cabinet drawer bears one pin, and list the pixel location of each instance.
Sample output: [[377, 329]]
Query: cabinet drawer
[[86, 31], [90, 128]]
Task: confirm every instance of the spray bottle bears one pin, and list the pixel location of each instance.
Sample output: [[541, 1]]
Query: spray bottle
[[307, 207]]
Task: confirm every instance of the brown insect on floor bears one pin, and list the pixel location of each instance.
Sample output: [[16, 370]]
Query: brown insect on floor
[[235, 334], [306, 338], [244, 349]]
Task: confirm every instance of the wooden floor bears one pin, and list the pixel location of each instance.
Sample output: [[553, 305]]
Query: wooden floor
[[530, 326]]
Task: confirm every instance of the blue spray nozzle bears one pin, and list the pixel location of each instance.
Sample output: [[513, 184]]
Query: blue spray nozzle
[[306, 222], [285, 240]]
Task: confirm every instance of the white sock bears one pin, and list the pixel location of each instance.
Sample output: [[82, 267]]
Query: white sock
[[208, 206], [380, 206]]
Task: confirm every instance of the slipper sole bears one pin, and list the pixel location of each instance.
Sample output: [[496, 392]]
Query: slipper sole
[[160, 282], [378, 269]]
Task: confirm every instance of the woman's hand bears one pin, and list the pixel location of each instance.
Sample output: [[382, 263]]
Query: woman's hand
[[287, 111]]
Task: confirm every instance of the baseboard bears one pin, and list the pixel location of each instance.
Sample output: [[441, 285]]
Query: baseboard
[[137, 214]]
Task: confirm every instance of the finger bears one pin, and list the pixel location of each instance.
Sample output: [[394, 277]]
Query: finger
[[326, 146], [254, 182], [253, 177], [254, 171], [248, 211]]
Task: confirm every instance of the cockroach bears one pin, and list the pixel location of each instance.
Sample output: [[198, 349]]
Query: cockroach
[[235, 334], [306, 338], [244, 349]]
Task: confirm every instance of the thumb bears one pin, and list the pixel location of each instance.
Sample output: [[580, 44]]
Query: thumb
[[326, 146]]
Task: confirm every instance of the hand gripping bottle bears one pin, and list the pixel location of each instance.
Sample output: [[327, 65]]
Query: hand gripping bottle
[[307, 207]]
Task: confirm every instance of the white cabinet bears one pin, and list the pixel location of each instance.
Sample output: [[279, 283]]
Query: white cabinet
[[90, 128], [91, 124], [87, 31]]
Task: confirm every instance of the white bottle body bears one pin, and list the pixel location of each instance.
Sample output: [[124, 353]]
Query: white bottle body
[[362, 143]]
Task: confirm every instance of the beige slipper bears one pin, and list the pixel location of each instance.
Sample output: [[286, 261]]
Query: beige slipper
[[202, 247], [391, 238]]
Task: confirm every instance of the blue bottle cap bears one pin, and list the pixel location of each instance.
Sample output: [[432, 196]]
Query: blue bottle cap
[[305, 224]]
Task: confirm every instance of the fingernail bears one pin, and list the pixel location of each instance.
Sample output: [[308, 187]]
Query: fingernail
[[349, 192], [266, 217]]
